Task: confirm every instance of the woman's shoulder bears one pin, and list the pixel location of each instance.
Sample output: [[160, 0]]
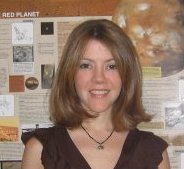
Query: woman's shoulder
[[149, 144], [43, 134], [150, 138], [32, 154], [42, 145]]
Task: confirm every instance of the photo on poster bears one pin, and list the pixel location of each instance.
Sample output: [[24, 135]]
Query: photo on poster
[[22, 33], [23, 54], [16, 83], [174, 116], [11, 164], [47, 75], [9, 127], [47, 28], [31, 83]]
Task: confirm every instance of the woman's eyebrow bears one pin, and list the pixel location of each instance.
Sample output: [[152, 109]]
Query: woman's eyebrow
[[109, 60], [91, 60]]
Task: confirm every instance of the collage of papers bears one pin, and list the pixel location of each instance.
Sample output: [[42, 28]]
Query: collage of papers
[[30, 50]]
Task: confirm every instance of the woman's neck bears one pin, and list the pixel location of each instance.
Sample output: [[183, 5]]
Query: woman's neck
[[98, 124]]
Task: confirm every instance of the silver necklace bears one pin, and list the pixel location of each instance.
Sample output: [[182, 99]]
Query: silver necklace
[[100, 144]]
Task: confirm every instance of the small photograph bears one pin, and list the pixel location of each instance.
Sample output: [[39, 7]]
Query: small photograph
[[47, 75], [31, 83], [47, 28], [16, 83], [174, 116], [9, 127], [10, 165], [23, 54]]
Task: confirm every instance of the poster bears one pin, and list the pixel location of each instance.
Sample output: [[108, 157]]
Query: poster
[[29, 54]]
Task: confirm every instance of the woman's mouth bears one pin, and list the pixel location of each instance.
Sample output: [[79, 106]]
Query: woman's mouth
[[99, 92]]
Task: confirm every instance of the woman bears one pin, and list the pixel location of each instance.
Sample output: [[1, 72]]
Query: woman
[[95, 104]]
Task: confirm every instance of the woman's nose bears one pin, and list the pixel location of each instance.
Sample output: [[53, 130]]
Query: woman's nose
[[99, 75]]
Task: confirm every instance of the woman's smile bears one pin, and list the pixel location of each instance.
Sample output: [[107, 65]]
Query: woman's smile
[[99, 93]]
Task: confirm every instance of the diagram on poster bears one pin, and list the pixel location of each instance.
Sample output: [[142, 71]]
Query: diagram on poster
[[22, 33]]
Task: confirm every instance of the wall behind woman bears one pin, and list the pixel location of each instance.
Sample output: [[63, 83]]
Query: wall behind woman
[[58, 8]]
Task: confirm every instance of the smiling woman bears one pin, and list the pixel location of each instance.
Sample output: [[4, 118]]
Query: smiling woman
[[95, 105], [96, 45]]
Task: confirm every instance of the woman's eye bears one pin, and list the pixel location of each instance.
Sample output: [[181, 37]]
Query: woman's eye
[[85, 66], [111, 67]]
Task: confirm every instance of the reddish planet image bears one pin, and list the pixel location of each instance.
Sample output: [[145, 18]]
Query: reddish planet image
[[156, 28]]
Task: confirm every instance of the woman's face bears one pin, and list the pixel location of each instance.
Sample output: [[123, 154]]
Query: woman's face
[[97, 80]]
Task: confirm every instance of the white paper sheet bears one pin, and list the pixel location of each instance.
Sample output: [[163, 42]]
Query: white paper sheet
[[7, 105]]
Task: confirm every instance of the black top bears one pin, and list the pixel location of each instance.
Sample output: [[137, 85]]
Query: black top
[[141, 150]]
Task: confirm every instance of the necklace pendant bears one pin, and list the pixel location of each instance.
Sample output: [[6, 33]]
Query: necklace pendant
[[100, 147]]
